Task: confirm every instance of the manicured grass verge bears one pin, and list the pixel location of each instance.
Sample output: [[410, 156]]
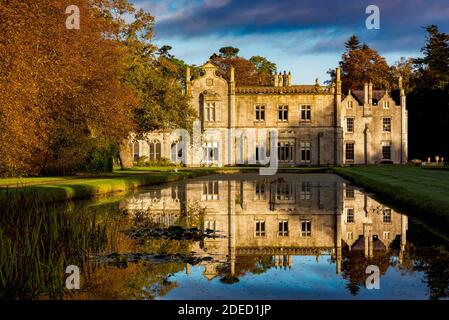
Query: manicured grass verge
[[81, 187], [423, 193]]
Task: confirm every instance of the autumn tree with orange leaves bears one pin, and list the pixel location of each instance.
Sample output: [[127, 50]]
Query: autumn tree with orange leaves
[[62, 95]]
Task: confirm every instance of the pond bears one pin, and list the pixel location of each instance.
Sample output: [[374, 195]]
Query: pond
[[289, 236]]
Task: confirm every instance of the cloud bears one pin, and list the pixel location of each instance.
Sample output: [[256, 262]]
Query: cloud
[[330, 21]]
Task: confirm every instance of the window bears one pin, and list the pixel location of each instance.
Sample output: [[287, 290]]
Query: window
[[136, 150], [176, 152], [210, 191], [210, 150], [155, 150], [350, 215], [283, 228], [260, 113], [260, 228], [260, 190], [349, 105], [349, 124], [306, 113], [387, 216], [386, 235], [349, 235], [349, 151], [210, 111], [285, 151], [210, 225], [305, 191], [349, 192], [283, 113], [386, 124], [261, 154], [305, 148], [386, 151], [386, 104], [284, 191], [306, 228]]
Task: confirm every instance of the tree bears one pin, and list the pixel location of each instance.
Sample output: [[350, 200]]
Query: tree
[[62, 90], [352, 43], [265, 68], [433, 68], [403, 68], [428, 102], [229, 52], [361, 64], [256, 71]]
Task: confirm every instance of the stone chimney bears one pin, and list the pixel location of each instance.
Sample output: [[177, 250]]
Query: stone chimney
[[370, 93], [365, 100], [281, 79], [289, 78], [285, 77], [276, 79], [338, 76]]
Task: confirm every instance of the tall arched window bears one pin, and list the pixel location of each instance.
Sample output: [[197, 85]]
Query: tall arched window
[[136, 150], [176, 152], [155, 150]]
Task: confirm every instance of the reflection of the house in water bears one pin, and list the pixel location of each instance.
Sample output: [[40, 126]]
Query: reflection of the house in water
[[279, 217]]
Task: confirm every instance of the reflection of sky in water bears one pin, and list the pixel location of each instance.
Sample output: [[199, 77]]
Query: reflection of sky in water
[[307, 279]]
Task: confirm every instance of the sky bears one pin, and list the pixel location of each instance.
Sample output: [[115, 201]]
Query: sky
[[305, 37]]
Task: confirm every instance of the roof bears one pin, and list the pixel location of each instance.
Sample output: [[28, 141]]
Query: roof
[[310, 89], [359, 95]]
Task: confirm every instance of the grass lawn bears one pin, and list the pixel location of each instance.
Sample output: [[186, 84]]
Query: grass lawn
[[424, 193], [53, 189]]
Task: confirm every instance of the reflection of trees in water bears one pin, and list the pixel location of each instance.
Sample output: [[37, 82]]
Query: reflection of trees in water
[[428, 253], [244, 265], [152, 280], [354, 264]]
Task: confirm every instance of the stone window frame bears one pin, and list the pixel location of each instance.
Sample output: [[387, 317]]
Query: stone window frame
[[306, 190], [305, 146], [386, 144], [155, 146], [305, 112], [346, 151], [348, 125], [283, 110], [308, 232], [389, 216], [350, 104], [283, 228], [289, 156], [386, 127], [260, 111], [262, 232], [211, 191], [349, 220], [260, 190], [208, 107]]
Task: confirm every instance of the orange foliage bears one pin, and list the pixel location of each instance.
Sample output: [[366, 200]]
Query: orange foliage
[[60, 89]]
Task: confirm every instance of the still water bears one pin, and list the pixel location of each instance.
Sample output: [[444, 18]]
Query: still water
[[288, 236]]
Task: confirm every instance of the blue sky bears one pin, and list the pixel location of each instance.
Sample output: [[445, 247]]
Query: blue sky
[[304, 36]]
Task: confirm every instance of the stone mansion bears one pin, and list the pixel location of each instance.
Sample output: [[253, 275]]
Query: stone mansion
[[315, 124]]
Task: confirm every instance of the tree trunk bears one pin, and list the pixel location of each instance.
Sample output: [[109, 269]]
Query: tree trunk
[[125, 154]]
